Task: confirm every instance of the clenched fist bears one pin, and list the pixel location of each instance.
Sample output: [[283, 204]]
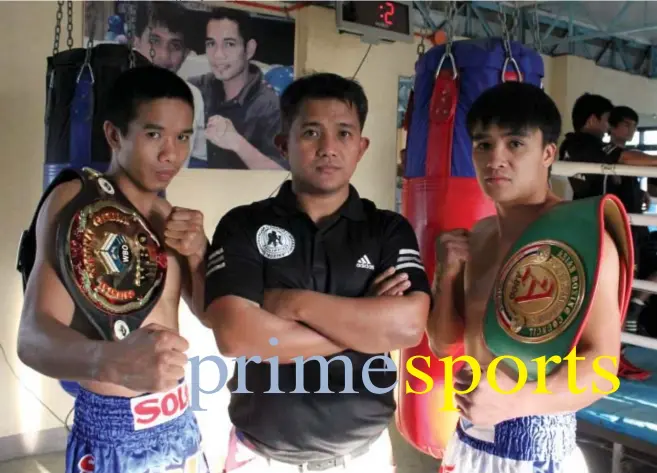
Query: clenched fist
[[150, 359], [452, 252], [184, 233], [221, 132]]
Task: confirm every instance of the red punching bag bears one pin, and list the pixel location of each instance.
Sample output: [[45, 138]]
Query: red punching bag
[[441, 193], [435, 204]]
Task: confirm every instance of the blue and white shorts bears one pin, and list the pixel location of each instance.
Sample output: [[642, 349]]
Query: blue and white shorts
[[153, 433], [536, 444]]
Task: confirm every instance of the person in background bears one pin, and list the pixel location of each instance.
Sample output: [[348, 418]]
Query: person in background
[[242, 112], [623, 122], [622, 126], [165, 33], [590, 116]]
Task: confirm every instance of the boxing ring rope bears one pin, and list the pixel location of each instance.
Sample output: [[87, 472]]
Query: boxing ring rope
[[570, 169]]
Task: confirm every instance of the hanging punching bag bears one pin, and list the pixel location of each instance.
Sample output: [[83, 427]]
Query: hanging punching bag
[[76, 82], [441, 193]]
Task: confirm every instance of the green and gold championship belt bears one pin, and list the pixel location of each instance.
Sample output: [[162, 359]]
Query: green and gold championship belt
[[542, 295], [111, 262]]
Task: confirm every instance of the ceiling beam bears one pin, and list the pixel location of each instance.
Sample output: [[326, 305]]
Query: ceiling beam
[[426, 15], [599, 35]]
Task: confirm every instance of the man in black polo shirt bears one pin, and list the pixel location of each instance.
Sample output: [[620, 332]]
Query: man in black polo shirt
[[590, 118], [242, 112], [326, 274]]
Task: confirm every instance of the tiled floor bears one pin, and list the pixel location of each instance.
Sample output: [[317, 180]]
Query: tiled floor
[[599, 461], [51, 463], [408, 460], [54, 463]]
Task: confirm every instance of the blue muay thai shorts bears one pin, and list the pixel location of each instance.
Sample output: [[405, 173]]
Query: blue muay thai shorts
[[536, 444], [152, 433]]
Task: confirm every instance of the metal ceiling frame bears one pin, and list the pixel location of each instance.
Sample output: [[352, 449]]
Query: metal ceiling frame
[[561, 32]]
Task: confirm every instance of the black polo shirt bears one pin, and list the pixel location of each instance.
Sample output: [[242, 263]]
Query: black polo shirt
[[273, 244], [255, 114]]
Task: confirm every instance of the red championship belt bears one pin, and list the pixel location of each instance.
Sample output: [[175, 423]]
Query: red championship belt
[[110, 260]]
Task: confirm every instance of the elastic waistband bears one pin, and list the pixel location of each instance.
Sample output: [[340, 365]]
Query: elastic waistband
[[115, 418], [534, 438]]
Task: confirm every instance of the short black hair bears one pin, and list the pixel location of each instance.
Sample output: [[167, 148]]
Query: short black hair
[[142, 84], [587, 105], [169, 15], [516, 106], [241, 18], [618, 114], [319, 86]]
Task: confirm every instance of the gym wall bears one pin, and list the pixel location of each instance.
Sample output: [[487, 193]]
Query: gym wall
[[571, 76], [26, 33], [26, 427]]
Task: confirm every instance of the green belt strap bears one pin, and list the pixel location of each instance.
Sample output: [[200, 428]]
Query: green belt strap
[[543, 291]]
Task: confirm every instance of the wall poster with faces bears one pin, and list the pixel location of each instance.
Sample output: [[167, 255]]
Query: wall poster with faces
[[236, 63]]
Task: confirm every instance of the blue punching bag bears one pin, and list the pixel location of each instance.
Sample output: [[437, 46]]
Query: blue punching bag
[[75, 86]]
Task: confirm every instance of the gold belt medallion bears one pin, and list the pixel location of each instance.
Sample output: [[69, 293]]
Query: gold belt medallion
[[118, 263], [540, 291]]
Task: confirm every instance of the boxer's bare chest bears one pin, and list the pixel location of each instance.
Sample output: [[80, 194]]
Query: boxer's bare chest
[[486, 256], [164, 313]]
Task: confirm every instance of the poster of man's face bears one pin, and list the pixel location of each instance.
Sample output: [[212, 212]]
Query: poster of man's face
[[236, 63]]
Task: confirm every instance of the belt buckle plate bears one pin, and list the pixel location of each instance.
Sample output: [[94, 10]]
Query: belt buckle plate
[[324, 464], [337, 461], [540, 292], [116, 261]]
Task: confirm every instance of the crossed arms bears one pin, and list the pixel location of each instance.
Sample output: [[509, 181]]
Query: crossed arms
[[245, 317]]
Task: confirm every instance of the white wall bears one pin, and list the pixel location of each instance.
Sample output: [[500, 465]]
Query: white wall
[[26, 30], [22, 98]]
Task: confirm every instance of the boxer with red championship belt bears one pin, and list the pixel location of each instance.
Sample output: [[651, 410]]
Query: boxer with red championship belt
[[109, 259], [105, 263]]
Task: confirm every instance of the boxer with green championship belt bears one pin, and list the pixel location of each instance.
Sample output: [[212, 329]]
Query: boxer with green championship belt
[[105, 263], [544, 290], [538, 278]]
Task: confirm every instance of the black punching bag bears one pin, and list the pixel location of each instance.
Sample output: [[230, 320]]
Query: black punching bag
[[76, 83]]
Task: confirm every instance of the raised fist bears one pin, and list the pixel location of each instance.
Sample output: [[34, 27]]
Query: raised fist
[[452, 252], [184, 232], [150, 359], [221, 132]]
